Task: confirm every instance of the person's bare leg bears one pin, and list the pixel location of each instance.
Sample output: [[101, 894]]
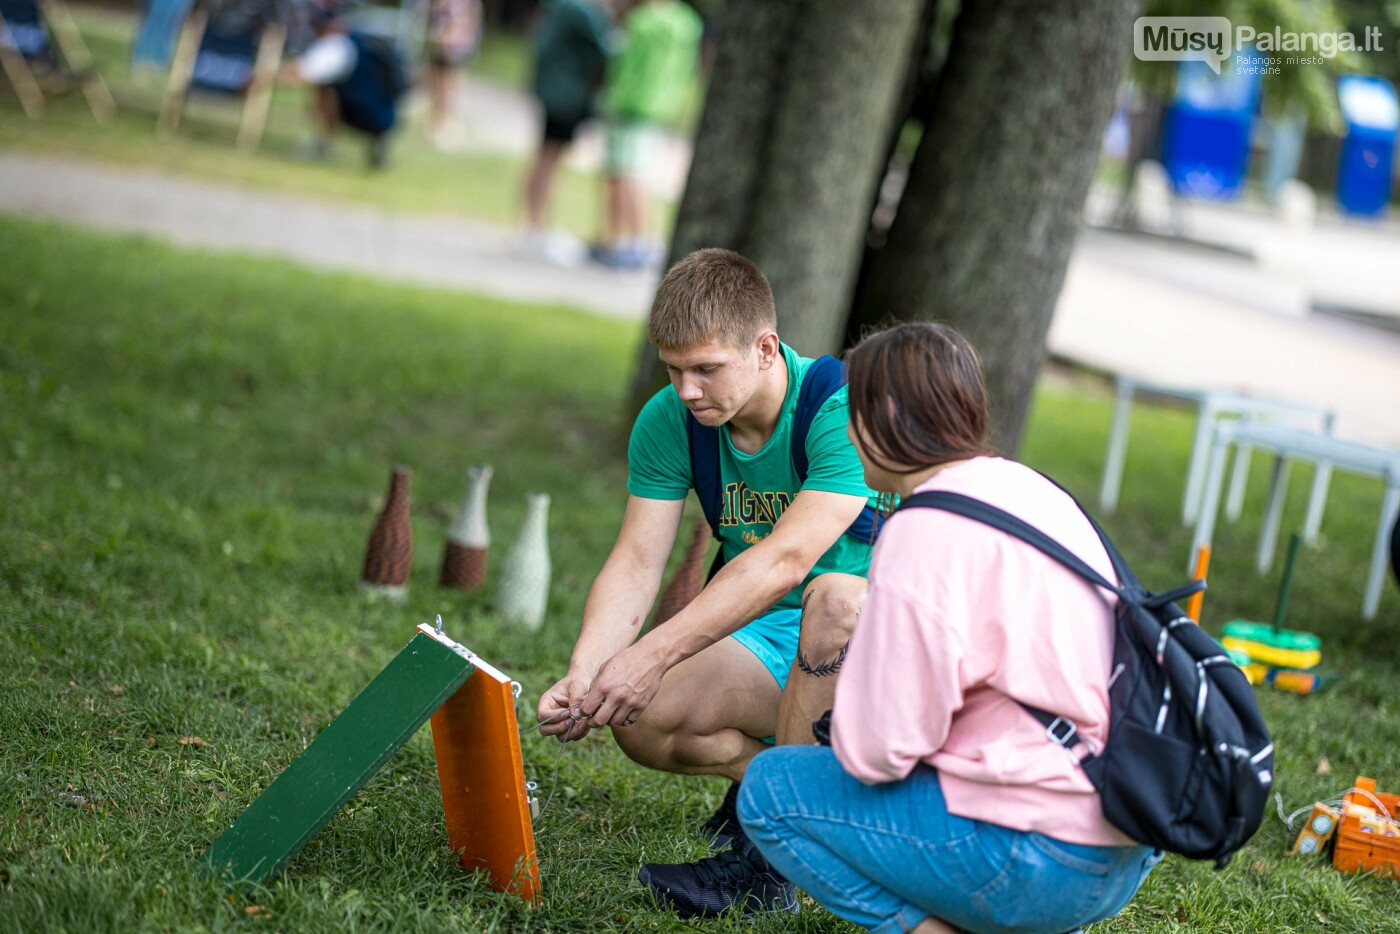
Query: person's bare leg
[[439, 99], [633, 220], [708, 715], [325, 110], [932, 925], [830, 606], [540, 181], [613, 210]]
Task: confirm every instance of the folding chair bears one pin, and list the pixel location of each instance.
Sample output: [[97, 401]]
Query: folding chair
[[42, 52], [235, 55]]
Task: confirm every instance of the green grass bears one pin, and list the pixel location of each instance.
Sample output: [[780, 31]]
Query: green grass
[[484, 185], [192, 449], [504, 58]]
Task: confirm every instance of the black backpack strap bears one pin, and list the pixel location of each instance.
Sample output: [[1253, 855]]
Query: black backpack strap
[[704, 471], [1124, 573], [821, 381], [1058, 729]]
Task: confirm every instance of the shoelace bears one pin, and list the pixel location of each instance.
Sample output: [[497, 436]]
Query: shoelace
[[727, 868]]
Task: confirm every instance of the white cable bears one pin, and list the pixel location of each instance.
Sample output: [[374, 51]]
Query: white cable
[[1334, 801]]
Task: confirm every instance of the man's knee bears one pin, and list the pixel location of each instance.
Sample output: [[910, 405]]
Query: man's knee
[[651, 740], [830, 606]]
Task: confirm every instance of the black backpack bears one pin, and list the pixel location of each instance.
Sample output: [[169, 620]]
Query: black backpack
[[1188, 763], [820, 382], [388, 64]]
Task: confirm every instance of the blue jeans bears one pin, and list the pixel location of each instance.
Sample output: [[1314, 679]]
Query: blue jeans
[[889, 856]]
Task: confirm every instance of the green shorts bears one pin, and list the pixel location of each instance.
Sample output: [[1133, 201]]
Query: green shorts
[[630, 146], [773, 639]]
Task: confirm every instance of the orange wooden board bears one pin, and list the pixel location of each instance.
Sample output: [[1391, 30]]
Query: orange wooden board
[[482, 773]]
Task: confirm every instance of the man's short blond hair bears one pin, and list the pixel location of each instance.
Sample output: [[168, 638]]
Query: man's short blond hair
[[711, 294]]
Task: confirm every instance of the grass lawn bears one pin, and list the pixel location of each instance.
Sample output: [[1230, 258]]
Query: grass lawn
[[483, 185], [192, 449]]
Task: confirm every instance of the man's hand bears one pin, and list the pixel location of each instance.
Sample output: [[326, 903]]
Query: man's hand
[[623, 687], [558, 711]]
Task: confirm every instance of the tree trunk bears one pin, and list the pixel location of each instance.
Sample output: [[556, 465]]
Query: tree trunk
[[915, 101], [997, 186], [784, 169], [730, 146], [840, 91]]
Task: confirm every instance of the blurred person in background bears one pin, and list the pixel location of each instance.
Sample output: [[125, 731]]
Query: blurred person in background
[[357, 80], [155, 38], [454, 35], [649, 82], [571, 53]]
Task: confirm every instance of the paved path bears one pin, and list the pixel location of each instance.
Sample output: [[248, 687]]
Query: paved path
[[1161, 310], [1193, 319], [442, 251]]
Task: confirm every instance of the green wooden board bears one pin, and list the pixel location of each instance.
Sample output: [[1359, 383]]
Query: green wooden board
[[339, 762]]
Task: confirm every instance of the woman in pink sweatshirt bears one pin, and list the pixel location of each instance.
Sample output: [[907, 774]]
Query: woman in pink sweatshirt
[[941, 802]]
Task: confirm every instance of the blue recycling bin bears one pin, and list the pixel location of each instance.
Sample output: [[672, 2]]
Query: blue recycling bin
[[1205, 145], [1366, 169]]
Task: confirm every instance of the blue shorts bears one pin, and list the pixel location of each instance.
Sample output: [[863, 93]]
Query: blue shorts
[[773, 639]]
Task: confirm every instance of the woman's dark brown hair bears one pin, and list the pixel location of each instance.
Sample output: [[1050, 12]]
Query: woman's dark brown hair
[[917, 397]]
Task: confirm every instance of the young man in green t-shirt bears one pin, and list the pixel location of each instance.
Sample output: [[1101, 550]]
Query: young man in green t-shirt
[[754, 656]]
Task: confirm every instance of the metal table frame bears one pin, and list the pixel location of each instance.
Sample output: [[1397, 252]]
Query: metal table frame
[[1327, 452], [1213, 407]]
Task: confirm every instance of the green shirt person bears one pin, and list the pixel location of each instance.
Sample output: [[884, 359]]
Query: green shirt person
[[755, 655], [650, 75]]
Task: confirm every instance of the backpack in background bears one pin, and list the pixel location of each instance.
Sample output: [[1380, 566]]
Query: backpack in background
[[388, 64]]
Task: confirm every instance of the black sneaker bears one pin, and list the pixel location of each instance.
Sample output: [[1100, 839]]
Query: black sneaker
[[738, 879], [723, 826]]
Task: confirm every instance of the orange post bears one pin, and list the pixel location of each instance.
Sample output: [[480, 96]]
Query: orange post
[[482, 774], [1193, 607]]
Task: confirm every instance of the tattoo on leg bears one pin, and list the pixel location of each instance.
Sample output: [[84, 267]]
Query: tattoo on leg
[[825, 669]]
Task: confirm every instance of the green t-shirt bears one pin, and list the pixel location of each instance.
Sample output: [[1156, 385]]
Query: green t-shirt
[[650, 77], [757, 487], [571, 52]]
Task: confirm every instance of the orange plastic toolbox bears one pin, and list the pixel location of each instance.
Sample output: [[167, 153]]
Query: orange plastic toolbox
[[1360, 846]]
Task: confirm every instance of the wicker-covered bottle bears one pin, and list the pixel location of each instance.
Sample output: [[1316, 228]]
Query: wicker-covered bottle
[[389, 555], [469, 539], [524, 590]]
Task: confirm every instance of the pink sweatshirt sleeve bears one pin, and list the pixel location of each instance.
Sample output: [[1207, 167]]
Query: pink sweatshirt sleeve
[[900, 685]]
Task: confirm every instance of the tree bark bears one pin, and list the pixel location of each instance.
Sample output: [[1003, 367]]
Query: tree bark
[[812, 207], [731, 146], [996, 189], [786, 159]]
